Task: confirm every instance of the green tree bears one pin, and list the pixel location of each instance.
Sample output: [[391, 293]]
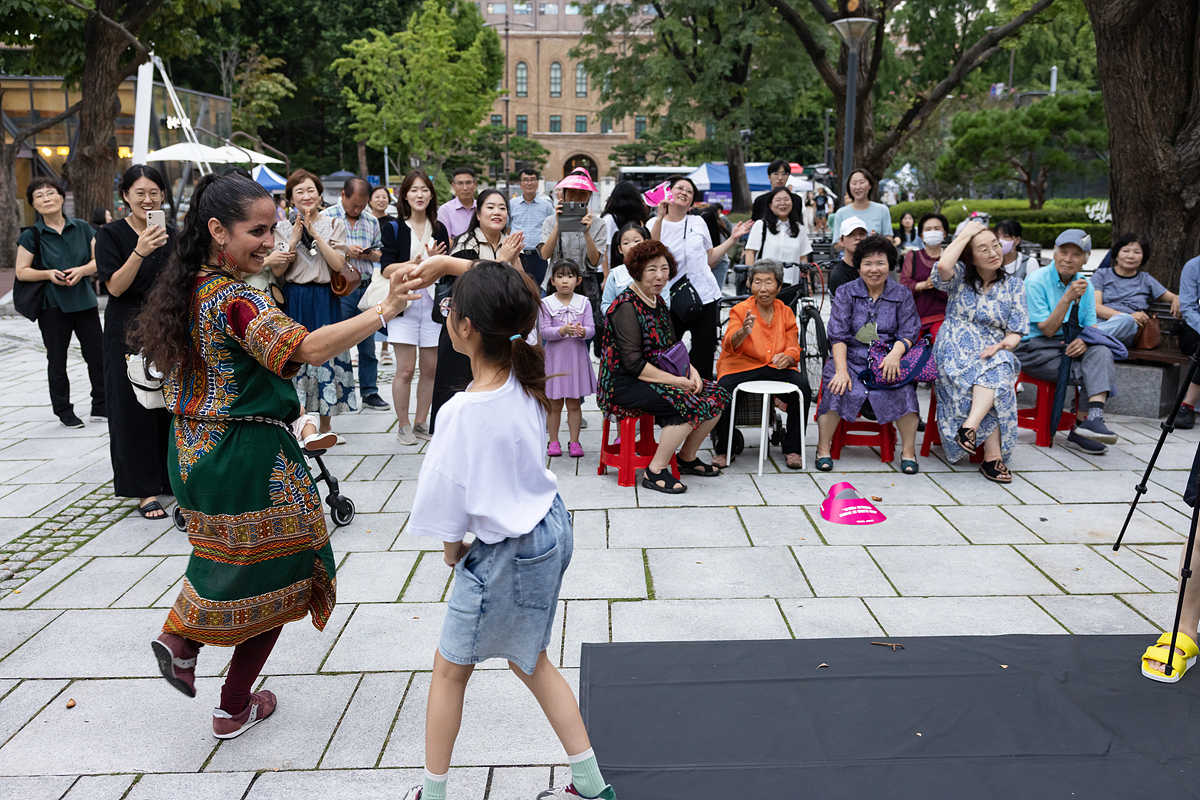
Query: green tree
[[257, 90], [1027, 144], [914, 59], [485, 149], [657, 147], [420, 87], [703, 61], [116, 37]]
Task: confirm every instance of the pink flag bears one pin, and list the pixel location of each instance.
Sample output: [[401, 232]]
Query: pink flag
[[845, 506], [656, 195]]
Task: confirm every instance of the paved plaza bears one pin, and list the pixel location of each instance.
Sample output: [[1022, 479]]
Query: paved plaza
[[85, 584]]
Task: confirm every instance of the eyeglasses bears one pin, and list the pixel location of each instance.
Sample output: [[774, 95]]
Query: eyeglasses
[[45, 195], [153, 194]]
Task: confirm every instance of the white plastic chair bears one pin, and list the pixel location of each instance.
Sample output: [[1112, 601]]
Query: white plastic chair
[[766, 389]]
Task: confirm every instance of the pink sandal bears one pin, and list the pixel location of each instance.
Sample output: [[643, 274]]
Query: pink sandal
[[575, 449], [554, 450]]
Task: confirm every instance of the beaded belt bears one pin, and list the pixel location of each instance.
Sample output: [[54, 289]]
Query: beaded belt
[[254, 418]]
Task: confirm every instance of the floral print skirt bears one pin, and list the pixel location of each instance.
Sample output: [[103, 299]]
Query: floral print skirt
[[325, 389]]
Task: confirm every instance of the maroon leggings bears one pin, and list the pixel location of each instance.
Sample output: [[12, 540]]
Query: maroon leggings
[[244, 668]]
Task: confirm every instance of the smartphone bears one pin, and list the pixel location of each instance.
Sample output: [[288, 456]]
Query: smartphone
[[571, 219], [157, 217]]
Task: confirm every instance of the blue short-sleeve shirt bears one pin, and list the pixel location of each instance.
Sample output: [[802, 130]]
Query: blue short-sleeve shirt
[[1044, 288]]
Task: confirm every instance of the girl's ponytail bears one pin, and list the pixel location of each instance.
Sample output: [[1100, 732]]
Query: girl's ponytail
[[502, 304]]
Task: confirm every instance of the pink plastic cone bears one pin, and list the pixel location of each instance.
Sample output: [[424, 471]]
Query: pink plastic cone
[[845, 506]]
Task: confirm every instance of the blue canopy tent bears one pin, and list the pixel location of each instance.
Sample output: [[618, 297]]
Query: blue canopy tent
[[714, 177], [268, 179]]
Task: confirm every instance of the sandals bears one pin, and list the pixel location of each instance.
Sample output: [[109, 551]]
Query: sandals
[[670, 484], [909, 466], [996, 471], [824, 463], [965, 438], [1155, 658], [150, 508], [179, 672], [697, 467]]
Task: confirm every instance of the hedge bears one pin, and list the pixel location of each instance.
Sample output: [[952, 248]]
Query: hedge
[[1040, 225]]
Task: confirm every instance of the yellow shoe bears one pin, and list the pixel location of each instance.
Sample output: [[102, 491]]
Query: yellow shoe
[[1155, 657]]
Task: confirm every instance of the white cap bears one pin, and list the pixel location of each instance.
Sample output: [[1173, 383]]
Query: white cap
[[850, 225]]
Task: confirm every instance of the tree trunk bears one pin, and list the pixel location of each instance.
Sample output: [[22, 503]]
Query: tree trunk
[[1148, 64], [363, 170], [93, 168], [738, 186], [10, 223]]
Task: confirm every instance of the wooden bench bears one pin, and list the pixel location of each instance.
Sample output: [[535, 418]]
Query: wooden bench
[[1148, 380]]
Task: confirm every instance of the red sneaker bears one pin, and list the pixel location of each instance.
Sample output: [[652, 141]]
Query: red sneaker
[[176, 661], [229, 726]]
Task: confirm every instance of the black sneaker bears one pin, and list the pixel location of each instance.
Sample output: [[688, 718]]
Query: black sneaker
[[98, 415], [1096, 429], [1185, 420], [69, 419], [1090, 446], [374, 402]]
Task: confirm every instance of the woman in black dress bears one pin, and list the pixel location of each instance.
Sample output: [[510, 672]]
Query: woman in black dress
[[130, 254]]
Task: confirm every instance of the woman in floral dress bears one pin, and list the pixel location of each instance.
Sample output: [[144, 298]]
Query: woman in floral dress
[[261, 554], [986, 317], [633, 378]]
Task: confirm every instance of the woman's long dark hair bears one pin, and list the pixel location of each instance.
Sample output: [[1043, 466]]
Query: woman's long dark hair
[[971, 275], [480, 199], [772, 221], [625, 204], [162, 331], [502, 303], [409, 179]]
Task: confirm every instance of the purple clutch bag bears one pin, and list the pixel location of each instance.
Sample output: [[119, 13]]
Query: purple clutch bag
[[673, 359]]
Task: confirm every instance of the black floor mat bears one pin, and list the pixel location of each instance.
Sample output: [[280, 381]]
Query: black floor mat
[[982, 717]]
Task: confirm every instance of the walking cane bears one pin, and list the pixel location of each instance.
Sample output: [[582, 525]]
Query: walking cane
[[1070, 333]]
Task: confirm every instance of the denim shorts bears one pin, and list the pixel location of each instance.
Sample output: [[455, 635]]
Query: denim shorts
[[503, 600]]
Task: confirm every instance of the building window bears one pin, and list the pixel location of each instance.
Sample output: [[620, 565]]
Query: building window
[[580, 81], [548, 9], [556, 79], [555, 123], [522, 79], [497, 120], [571, 8], [639, 127], [522, 8], [495, 8], [605, 124], [522, 125], [580, 123]]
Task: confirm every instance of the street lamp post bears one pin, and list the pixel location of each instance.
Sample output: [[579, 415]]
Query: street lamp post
[[852, 30]]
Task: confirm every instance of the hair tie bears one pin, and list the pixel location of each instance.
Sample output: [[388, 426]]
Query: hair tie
[[515, 336]]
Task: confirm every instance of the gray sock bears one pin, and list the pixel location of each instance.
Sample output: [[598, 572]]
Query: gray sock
[[1096, 412]]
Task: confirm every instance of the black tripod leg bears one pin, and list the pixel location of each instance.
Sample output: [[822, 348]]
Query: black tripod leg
[[1168, 425], [1184, 574]]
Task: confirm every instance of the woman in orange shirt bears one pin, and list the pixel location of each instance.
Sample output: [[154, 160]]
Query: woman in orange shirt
[[762, 342]]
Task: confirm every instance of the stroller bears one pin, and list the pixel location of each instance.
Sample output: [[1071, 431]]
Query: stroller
[[341, 508]]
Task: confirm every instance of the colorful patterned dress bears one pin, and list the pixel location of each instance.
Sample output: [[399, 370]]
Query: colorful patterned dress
[[623, 395], [260, 549]]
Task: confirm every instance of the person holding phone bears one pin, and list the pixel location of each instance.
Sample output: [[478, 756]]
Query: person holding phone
[[59, 252], [131, 253], [574, 233], [364, 248]]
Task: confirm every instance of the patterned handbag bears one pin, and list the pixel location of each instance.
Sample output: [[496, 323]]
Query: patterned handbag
[[916, 365]]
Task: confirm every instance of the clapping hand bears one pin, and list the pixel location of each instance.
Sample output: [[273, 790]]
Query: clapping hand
[[510, 248]]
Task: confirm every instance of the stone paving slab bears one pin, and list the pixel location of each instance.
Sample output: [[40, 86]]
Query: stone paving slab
[[978, 570], [378, 784], [100, 787]]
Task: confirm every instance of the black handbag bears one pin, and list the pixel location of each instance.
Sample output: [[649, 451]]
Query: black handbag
[[685, 301], [27, 295]]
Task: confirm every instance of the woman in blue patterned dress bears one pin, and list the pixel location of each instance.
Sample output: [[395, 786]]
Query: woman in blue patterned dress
[[986, 317]]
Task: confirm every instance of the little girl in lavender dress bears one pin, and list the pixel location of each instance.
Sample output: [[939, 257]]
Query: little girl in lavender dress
[[565, 325]]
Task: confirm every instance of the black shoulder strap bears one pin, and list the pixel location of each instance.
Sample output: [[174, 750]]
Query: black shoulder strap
[[37, 245]]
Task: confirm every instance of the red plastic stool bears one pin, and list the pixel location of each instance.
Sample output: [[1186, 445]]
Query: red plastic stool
[[864, 433], [934, 436], [632, 452], [1037, 419]]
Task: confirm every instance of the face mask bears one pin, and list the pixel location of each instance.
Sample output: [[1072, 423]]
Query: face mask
[[1007, 245], [933, 238]]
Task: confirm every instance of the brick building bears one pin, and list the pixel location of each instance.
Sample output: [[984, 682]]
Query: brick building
[[550, 97]]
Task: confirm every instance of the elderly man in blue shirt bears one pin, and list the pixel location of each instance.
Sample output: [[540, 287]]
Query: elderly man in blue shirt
[[527, 213], [1050, 294]]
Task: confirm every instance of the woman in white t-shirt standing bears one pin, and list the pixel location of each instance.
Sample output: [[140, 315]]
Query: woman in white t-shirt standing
[[690, 243], [506, 582], [780, 236]]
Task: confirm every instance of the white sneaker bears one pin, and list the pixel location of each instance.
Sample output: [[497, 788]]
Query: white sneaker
[[413, 793], [406, 436], [568, 793]]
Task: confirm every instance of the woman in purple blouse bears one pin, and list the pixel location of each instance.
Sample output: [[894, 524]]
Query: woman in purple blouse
[[868, 308]]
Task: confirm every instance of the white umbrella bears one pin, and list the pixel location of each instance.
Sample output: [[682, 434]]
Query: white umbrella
[[188, 151], [243, 155]]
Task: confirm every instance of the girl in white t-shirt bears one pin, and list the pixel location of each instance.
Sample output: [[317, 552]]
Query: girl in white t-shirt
[[486, 472], [780, 236]]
